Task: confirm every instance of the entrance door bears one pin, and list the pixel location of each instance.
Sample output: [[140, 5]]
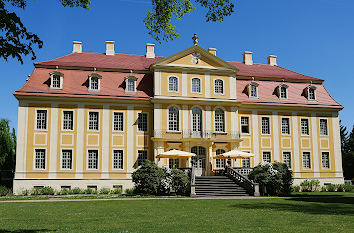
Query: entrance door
[[196, 123], [199, 160]]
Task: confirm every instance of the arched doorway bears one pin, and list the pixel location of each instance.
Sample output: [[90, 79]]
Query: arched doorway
[[199, 160]]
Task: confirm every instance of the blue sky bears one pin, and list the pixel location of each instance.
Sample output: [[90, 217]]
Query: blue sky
[[315, 38]]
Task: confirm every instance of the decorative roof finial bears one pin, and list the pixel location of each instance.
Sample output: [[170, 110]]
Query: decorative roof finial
[[195, 39]]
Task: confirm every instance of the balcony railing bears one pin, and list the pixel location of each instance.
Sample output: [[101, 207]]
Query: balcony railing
[[204, 134]]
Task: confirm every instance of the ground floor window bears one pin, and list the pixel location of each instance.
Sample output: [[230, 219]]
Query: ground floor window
[[306, 160], [173, 163], [117, 159], [325, 159], [266, 156], [92, 162], [246, 162], [220, 163], [142, 156], [39, 162], [66, 159], [287, 158]]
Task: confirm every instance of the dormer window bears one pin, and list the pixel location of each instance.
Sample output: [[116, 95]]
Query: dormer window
[[130, 84], [311, 92], [283, 91], [56, 80], [94, 82], [253, 90]]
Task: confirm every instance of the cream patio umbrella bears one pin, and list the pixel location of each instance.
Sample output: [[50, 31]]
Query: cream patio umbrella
[[175, 154], [235, 154]]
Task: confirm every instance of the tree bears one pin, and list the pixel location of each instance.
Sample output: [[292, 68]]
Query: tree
[[16, 41], [347, 153], [7, 149]]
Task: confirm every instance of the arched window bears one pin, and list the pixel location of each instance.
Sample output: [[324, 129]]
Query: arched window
[[56, 80], [196, 122], [195, 85], [94, 82], [173, 119], [219, 120], [218, 86], [173, 84], [220, 163]]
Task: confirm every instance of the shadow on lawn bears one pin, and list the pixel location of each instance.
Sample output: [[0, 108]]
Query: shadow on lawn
[[25, 231], [330, 205]]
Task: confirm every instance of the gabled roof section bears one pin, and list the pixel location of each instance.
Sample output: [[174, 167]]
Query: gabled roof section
[[184, 59]]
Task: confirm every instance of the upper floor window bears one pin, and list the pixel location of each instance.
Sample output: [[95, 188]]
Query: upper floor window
[[305, 127], [93, 122], [117, 159], [285, 126], [68, 120], [265, 125], [142, 156], [143, 122], [306, 160], [41, 121], [266, 156], [173, 119], [196, 85], [323, 127], [311, 92], [253, 90], [56, 80], [245, 128], [173, 84], [219, 120], [118, 119], [130, 83], [283, 91], [218, 86], [94, 82]]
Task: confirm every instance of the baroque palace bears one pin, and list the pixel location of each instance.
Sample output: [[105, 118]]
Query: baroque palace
[[90, 119]]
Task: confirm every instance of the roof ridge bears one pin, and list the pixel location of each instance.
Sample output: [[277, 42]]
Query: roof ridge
[[298, 73]]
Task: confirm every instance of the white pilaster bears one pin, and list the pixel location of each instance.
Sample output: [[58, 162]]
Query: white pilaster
[[208, 115], [80, 153], [184, 84], [22, 125], [234, 122], [337, 145], [295, 132], [105, 141], [185, 117], [207, 85], [276, 136], [130, 138], [157, 82], [316, 153], [53, 148], [232, 87], [157, 117], [255, 138]]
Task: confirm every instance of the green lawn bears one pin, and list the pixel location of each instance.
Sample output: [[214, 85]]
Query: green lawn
[[293, 214]]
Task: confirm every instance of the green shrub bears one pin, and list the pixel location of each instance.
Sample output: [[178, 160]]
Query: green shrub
[[26, 192], [275, 178], [104, 191], [323, 189], [65, 191], [130, 191], [77, 190], [180, 182], [151, 180], [116, 190], [297, 188], [4, 191], [348, 187], [340, 187], [90, 191], [46, 190], [331, 187], [310, 185]]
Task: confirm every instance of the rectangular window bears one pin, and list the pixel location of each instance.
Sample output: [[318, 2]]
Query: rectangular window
[[323, 127], [143, 122], [68, 120], [117, 159], [283, 93], [93, 121], [306, 160], [173, 163], [325, 159], [142, 156], [92, 159], [265, 125], [245, 125], [130, 85], [266, 156], [66, 159], [94, 83], [39, 160], [56, 81], [305, 127], [285, 126], [287, 158], [246, 162], [118, 120], [312, 95], [41, 119], [220, 163], [253, 91]]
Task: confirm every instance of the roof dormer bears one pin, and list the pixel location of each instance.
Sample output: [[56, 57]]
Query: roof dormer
[[253, 89], [130, 83], [56, 80], [283, 91], [311, 92], [94, 82]]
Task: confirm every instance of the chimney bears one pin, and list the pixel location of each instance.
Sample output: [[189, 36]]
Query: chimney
[[212, 51], [150, 50], [247, 58], [77, 47], [110, 48], [272, 60]]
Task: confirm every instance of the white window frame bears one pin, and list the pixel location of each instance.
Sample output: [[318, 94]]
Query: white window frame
[[200, 85], [123, 121], [284, 87], [290, 158], [61, 159], [123, 159], [201, 119], [248, 124], [95, 75], [178, 119], [220, 163], [46, 120], [223, 123], [127, 79], [62, 119], [88, 121], [328, 160], [138, 164], [270, 156], [308, 127], [147, 122], [52, 74], [255, 85], [177, 84], [243, 162], [98, 159], [34, 159], [269, 125], [303, 161], [223, 86], [319, 126], [289, 126], [314, 93], [174, 162]]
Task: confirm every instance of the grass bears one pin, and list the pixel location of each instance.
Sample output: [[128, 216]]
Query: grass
[[293, 214]]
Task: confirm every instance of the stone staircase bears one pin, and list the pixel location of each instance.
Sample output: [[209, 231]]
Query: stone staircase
[[217, 186]]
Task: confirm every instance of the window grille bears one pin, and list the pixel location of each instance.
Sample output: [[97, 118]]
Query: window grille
[[196, 85], [41, 119], [266, 157], [253, 91], [66, 160], [265, 125], [93, 159], [173, 84], [118, 159], [173, 119], [219, 120], [323, 127], [325, 159], [68, 120], [55, 81], [305, 127], [143, 122], [94, 83], [245, 124], [39, 159], [219, 86], [285, 126], [118, 119], [93, 121], [283, 93], [131, 85], [142, 156], [246, 162], [306, 160], [287, 158]]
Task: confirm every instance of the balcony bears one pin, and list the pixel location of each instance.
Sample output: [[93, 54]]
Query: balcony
[[197, 135]]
